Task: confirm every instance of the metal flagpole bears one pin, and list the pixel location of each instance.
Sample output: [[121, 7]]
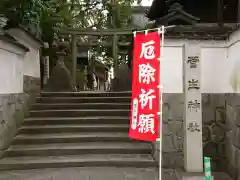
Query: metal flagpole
[[161, 104], [161, 138]]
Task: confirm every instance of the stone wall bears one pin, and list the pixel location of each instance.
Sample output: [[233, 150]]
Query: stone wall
[[13, 109], [31, 88], [232, 140], [172, 131], [222, 132], [214, 130], [31, 85], [11, 116]]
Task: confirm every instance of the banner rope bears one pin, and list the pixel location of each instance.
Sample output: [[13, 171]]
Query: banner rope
[[163, 28]]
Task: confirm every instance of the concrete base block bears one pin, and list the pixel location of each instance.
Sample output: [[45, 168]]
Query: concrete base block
[[181, 175]]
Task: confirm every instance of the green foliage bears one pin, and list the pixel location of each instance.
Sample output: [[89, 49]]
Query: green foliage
[[51, 15], [46, 18]]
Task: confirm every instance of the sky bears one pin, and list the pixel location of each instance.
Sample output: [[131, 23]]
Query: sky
[[147, 2]]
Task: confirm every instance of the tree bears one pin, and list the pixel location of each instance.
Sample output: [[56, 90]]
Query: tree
[[46, 18], [71, 13]]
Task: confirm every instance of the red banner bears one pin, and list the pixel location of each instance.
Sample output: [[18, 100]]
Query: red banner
[[145, 87]]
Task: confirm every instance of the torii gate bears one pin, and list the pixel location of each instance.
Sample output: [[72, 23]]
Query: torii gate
[[74, 32]]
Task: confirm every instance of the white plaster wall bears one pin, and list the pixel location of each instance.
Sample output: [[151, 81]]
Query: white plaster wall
[[32, 58], [220, 62], [220, 68], [11, 69], [32, 62], [233, 54], [214, 70], [171, 69]]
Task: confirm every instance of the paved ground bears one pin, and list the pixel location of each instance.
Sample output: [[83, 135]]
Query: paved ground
[[82, 174], [89, 173]]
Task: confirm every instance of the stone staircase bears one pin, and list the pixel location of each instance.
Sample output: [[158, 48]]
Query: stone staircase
[[86, 129]]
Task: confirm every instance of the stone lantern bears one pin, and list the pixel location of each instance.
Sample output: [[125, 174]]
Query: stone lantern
[[139, 19]]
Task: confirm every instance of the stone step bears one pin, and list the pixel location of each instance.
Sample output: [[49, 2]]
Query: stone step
[[66, 106], [85, 173], [76, 120], [221, 176], [71, 138], [41, 129], [79, 112], [78, 149], [83, 100], [107, 160], [87, 94]]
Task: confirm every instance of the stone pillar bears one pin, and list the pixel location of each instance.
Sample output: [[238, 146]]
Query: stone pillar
[[46, 70], [85, 73], [74, 59], [46, 65], [193, 148], [115, 54]]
